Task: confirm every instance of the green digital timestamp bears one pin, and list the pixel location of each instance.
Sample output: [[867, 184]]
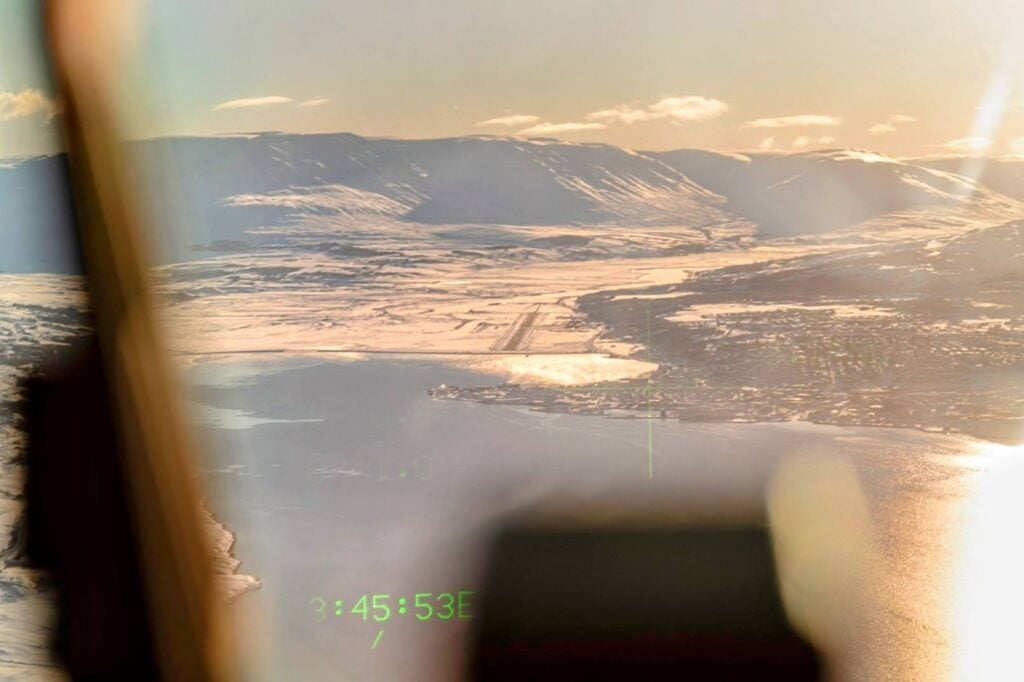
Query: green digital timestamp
[[423, 606]]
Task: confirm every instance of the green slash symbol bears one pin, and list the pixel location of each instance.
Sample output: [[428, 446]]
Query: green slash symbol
[[379, 635]]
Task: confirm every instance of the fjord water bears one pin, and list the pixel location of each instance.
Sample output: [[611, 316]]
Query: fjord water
[[346, 478]]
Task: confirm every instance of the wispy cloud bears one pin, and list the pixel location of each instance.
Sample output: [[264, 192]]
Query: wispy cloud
[[806, 141], [892, 121], [623, 113], [558, 128], [967, 144], [796, 121], [25, 103], [900, 119], [315, 102], [252, 102], [766, 144], [1017, 146], [509, 121], [691, 108], [675, 109]]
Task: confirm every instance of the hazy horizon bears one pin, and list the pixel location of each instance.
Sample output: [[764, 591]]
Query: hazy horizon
[[964, 154]]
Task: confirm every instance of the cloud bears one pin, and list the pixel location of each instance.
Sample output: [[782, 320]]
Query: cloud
[[28, 102], [252, 102], [623, 113], [968, 144], [674, 109], [510, 120], [766, 144], [1017, 145], [315, 102], [691, 108], [556, 128], [797, 121], [891, 122], [899, 119], [805, 141]]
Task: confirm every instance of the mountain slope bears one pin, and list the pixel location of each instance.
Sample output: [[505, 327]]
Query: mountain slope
[[1005, 176], [470, 180], [220, 194], [825, 191], [35, 216]]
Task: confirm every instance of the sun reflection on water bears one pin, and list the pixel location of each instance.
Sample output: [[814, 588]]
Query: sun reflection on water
[[988, 597]]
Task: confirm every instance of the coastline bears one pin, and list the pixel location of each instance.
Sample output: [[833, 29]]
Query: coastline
[[539, 398]]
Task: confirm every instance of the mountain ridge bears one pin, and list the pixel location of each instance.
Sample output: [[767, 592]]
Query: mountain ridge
[[250, 188]]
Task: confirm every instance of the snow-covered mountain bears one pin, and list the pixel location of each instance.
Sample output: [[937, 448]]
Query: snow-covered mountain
[[1005, 175], [824, 191], [272, 179], [252, 190]]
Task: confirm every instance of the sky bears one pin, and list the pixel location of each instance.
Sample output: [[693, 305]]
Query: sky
[[909, 78]]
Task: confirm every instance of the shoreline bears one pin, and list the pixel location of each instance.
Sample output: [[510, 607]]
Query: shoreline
[[994, 435], [1008, 435]]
